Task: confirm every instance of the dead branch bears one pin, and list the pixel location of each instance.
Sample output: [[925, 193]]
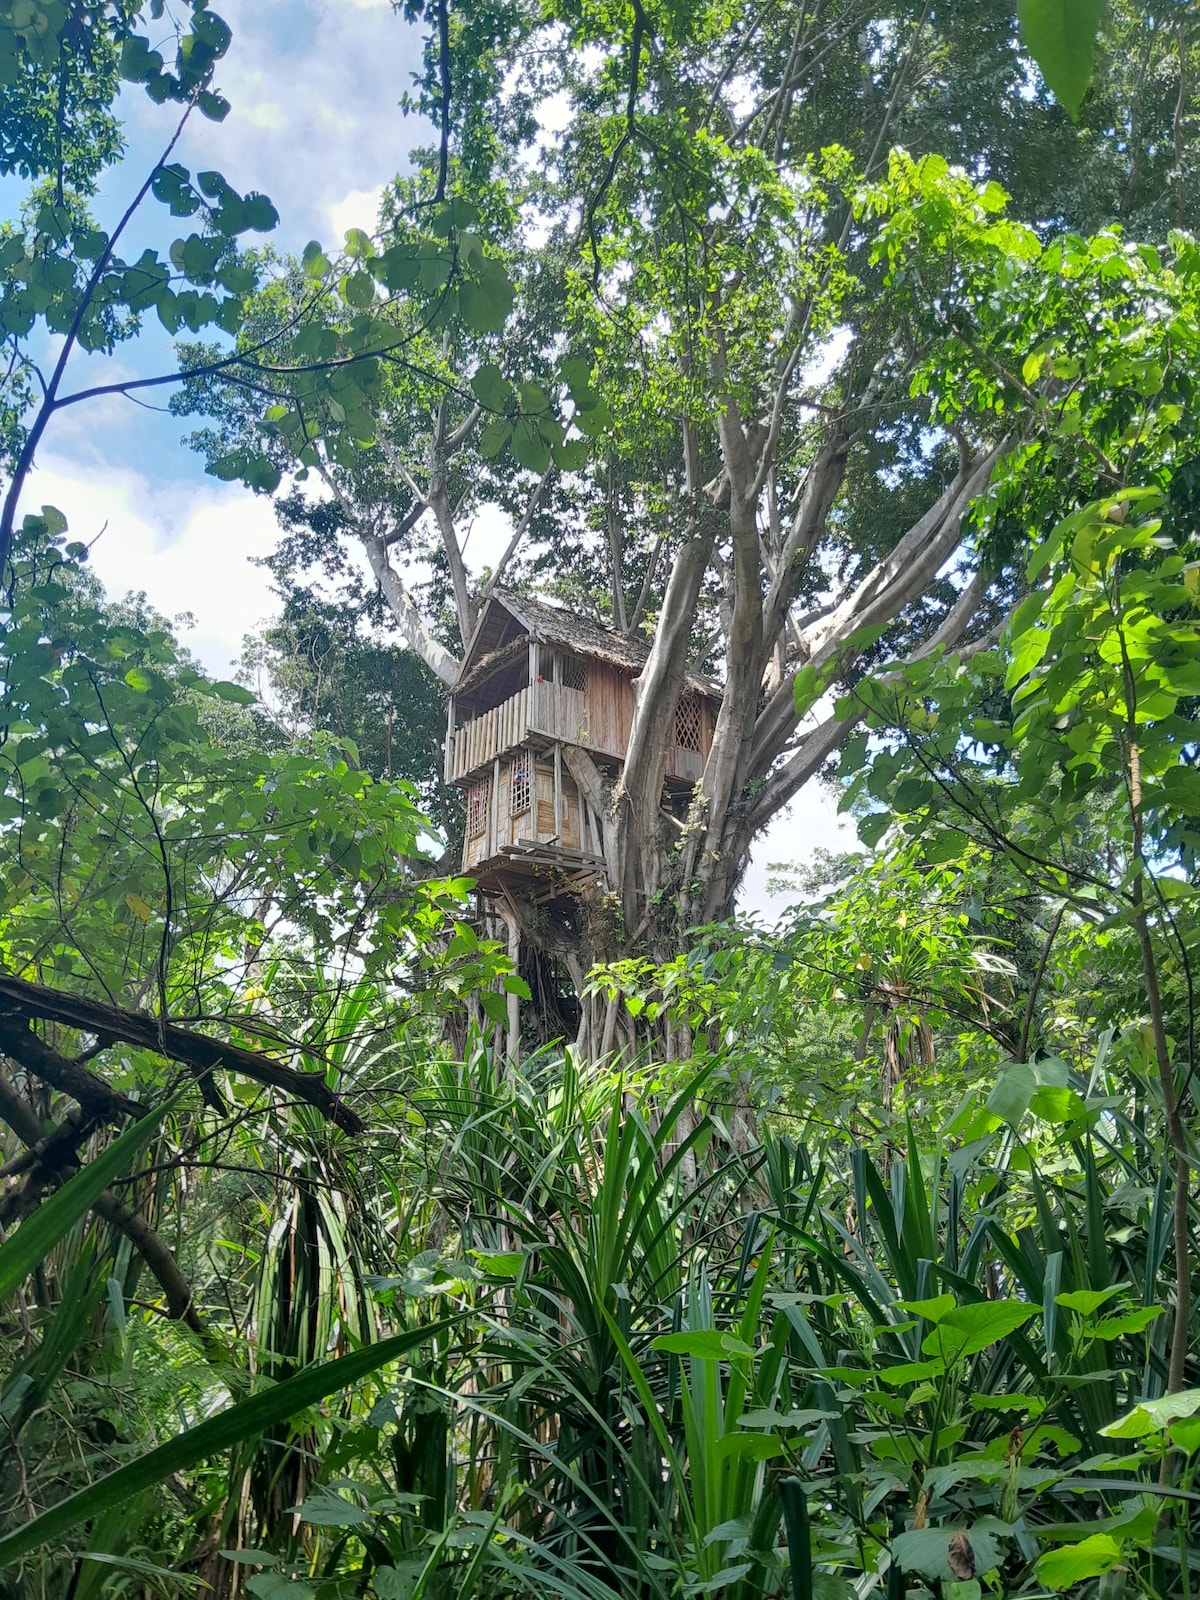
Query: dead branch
[[202, 1055]]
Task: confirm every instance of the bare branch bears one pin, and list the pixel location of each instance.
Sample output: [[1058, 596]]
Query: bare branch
[[202, 1055]]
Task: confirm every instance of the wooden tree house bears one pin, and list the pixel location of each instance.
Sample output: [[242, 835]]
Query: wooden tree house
[[536, 680]]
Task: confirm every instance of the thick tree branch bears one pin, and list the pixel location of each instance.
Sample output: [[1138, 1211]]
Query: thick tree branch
[[910, 567], [404, 609], [34, 1001], [19, 1042]]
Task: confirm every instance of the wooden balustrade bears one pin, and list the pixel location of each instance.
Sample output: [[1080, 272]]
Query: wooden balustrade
[[481, 740], [545, 710]]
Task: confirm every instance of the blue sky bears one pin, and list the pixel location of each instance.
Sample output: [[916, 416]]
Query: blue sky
[[315, 124]]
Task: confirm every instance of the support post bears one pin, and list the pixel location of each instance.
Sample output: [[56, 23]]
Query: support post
[[495, 817], [513, 1041], [448, 769], [558, 796]]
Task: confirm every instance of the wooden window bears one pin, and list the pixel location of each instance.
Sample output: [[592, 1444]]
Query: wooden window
[[479, 799], [573, 673], [521, 786], [687, 723]]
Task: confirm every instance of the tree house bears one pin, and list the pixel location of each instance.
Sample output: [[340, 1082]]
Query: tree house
[[536, 680]]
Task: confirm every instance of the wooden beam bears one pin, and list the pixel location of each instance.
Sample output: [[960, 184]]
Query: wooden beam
[[449, 773], [494, 836], [558, 794]]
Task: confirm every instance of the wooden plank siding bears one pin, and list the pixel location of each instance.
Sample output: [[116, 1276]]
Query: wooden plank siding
[[598, 719], [535, 824]]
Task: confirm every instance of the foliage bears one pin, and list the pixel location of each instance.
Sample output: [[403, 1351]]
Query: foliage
[[877, 1267]]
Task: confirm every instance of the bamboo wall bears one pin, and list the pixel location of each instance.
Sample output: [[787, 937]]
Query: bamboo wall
[[490, 801], [599, 718]]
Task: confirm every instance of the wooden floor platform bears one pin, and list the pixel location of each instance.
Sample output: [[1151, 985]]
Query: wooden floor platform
[[558, 869]]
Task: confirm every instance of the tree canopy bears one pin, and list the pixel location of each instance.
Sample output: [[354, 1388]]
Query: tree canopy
[[373, 1230]]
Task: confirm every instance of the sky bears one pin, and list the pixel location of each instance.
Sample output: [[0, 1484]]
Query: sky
[[316, 125]]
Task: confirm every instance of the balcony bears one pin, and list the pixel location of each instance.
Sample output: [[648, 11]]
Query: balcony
[[540, 711]]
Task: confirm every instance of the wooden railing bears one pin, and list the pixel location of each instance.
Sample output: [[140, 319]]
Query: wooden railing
[[479, 741], [546, 710]]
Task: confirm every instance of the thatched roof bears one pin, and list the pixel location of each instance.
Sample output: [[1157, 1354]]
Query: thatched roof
[[551, 624]]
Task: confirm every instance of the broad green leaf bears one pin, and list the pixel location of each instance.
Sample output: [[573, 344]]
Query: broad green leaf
[[1013, 1091], [327, 1510], [235, 693], [571, 455], [1085, 1301], [1128, 1322], [968, 1329], [809, 685], [1060, 35], [1072, 1563], [1151, 1416], [933, 1309], [748, 1447], [705, 1344], [1185, 1433], [873, 826], [491, 388], [927, 1551], [279, 1586], [528, 447]]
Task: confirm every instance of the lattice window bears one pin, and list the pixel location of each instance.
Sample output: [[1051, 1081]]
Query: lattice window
[[687, 723], [521, 786], [479, 799], [573, 673]]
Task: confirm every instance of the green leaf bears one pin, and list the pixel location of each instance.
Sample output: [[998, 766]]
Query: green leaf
[[969, 1329], [933, 1309], [571, 455], [748, 1447], [1013, 1091], [245, 1420], [1059, 1569], [494, 437], [485, 306], [494, 1007], [314, 260], [235, 693], [213, 106], [1060, 35], [278, 1586], [1085, 1301], [327, 1510], [703, 1344], [529, 449], [38, 1234], [927, 1551], [258, 213], [1151, 1416], [491, 388], [808, 686], [397, 1583], [872, 828], [1128, 1322]]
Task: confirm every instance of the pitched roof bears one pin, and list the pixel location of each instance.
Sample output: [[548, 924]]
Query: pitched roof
[[551, 624]]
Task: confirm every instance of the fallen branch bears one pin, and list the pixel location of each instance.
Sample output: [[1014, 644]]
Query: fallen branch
[[202, 1055]]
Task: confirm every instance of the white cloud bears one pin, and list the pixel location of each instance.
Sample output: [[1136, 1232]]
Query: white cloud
[[314, 87], [187, 545], [809, 824], [358, 209]]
